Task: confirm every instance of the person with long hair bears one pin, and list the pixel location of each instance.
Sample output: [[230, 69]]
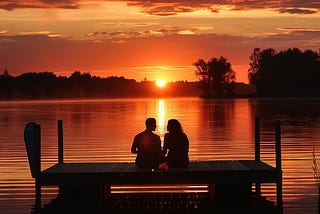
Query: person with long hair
[[176, 145]]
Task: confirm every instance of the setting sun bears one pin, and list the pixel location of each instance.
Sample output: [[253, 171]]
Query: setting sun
[[161, 83]]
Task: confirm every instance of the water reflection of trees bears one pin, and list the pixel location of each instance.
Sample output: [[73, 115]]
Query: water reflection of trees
[[217, 119], [297, 115]]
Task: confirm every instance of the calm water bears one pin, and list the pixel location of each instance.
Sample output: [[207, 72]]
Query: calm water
[[102, 130]]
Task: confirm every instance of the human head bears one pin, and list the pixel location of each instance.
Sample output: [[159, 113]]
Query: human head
[[174, 126], [151, 124]]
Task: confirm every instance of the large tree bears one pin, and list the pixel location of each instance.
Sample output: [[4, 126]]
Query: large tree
[[286, 73], [216, 77]]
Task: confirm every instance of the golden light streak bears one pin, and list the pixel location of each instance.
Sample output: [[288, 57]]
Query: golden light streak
[[161, 116]]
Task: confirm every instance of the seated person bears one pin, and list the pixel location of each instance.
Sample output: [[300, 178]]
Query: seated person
[[176, 145], [147, 146]]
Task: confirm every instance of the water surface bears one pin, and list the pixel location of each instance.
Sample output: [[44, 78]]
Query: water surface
[[102, 130]]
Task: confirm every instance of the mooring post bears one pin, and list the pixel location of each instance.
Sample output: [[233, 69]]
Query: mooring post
[[257, 147], [60, 142], [257, 138], [38, 167], [278, 162], [278, 144]]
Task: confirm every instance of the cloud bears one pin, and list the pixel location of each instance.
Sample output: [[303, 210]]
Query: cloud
[[24, 4], [174, 7], [120, 34], [57, 54], [167, 7], [163, 9], [297, 11], [2, 32]]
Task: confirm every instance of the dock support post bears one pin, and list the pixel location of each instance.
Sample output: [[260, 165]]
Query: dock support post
[[278, 162], [60, 142], [38, 203], [257, 138], [60, 147], [257, 148]]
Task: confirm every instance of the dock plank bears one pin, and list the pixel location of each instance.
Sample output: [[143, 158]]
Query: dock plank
[[201, 172]]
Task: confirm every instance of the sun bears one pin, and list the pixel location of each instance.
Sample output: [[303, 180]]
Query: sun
[[161, 83]]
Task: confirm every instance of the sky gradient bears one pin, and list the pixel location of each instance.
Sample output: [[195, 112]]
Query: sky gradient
[[156, 39]]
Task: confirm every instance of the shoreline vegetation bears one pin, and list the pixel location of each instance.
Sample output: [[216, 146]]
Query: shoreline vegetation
[[46, 85], [290, 73]]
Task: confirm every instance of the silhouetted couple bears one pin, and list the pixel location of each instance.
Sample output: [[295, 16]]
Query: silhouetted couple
[[150, 155]]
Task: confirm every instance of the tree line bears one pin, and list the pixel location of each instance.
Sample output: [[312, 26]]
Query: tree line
[[44, 85], [286, 73]]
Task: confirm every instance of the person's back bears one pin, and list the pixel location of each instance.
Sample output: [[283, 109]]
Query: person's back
[[147, 146], [176, 144]]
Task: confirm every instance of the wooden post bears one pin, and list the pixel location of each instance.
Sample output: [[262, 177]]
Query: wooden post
[[60, 142], [257, 138], [278, 162], [38, 195], [257, 147], [38, 167], [278, 144], [38, 149]]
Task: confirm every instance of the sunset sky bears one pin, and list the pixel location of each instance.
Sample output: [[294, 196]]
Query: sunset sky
[[156, 39]]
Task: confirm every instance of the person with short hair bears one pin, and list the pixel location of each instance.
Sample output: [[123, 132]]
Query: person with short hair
[[147, 146]]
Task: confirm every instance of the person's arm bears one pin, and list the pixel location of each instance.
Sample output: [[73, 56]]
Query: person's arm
[[159, 144], [165, 145]]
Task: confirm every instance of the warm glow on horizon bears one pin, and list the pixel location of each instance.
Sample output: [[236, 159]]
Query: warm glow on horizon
[[160, 83], [147, 40]]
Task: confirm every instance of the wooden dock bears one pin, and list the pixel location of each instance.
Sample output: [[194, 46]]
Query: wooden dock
[[229, 182]]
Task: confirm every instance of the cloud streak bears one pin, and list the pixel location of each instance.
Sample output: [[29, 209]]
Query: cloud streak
[[59, 54], [25, 4], [174, 7], [142, 33]]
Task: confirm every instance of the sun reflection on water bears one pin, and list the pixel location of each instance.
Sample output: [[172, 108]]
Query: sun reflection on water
[[161, 117]]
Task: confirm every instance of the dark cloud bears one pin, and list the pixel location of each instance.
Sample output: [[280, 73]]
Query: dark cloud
[[167, 7], [173, 7], [297, 11], [24, 4]]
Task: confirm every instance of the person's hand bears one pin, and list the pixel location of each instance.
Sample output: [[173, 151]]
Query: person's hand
[[163, 166]]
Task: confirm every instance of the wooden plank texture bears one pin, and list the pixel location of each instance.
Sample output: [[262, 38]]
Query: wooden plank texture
[[202, 172]]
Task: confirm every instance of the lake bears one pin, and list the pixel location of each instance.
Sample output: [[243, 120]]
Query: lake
[[103, 130]]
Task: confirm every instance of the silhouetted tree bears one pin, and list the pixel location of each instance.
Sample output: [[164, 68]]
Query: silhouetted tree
[[5, 73], [287, 73], [216, 77], [6, 82]]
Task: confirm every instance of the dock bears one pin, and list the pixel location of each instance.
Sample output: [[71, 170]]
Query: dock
[[229, 183]]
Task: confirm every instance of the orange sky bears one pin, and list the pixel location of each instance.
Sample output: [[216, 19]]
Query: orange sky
[[156, 39]]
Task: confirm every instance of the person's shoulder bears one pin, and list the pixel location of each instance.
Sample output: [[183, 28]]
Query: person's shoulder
[[156, 135], [184, 135], [139, 134]]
